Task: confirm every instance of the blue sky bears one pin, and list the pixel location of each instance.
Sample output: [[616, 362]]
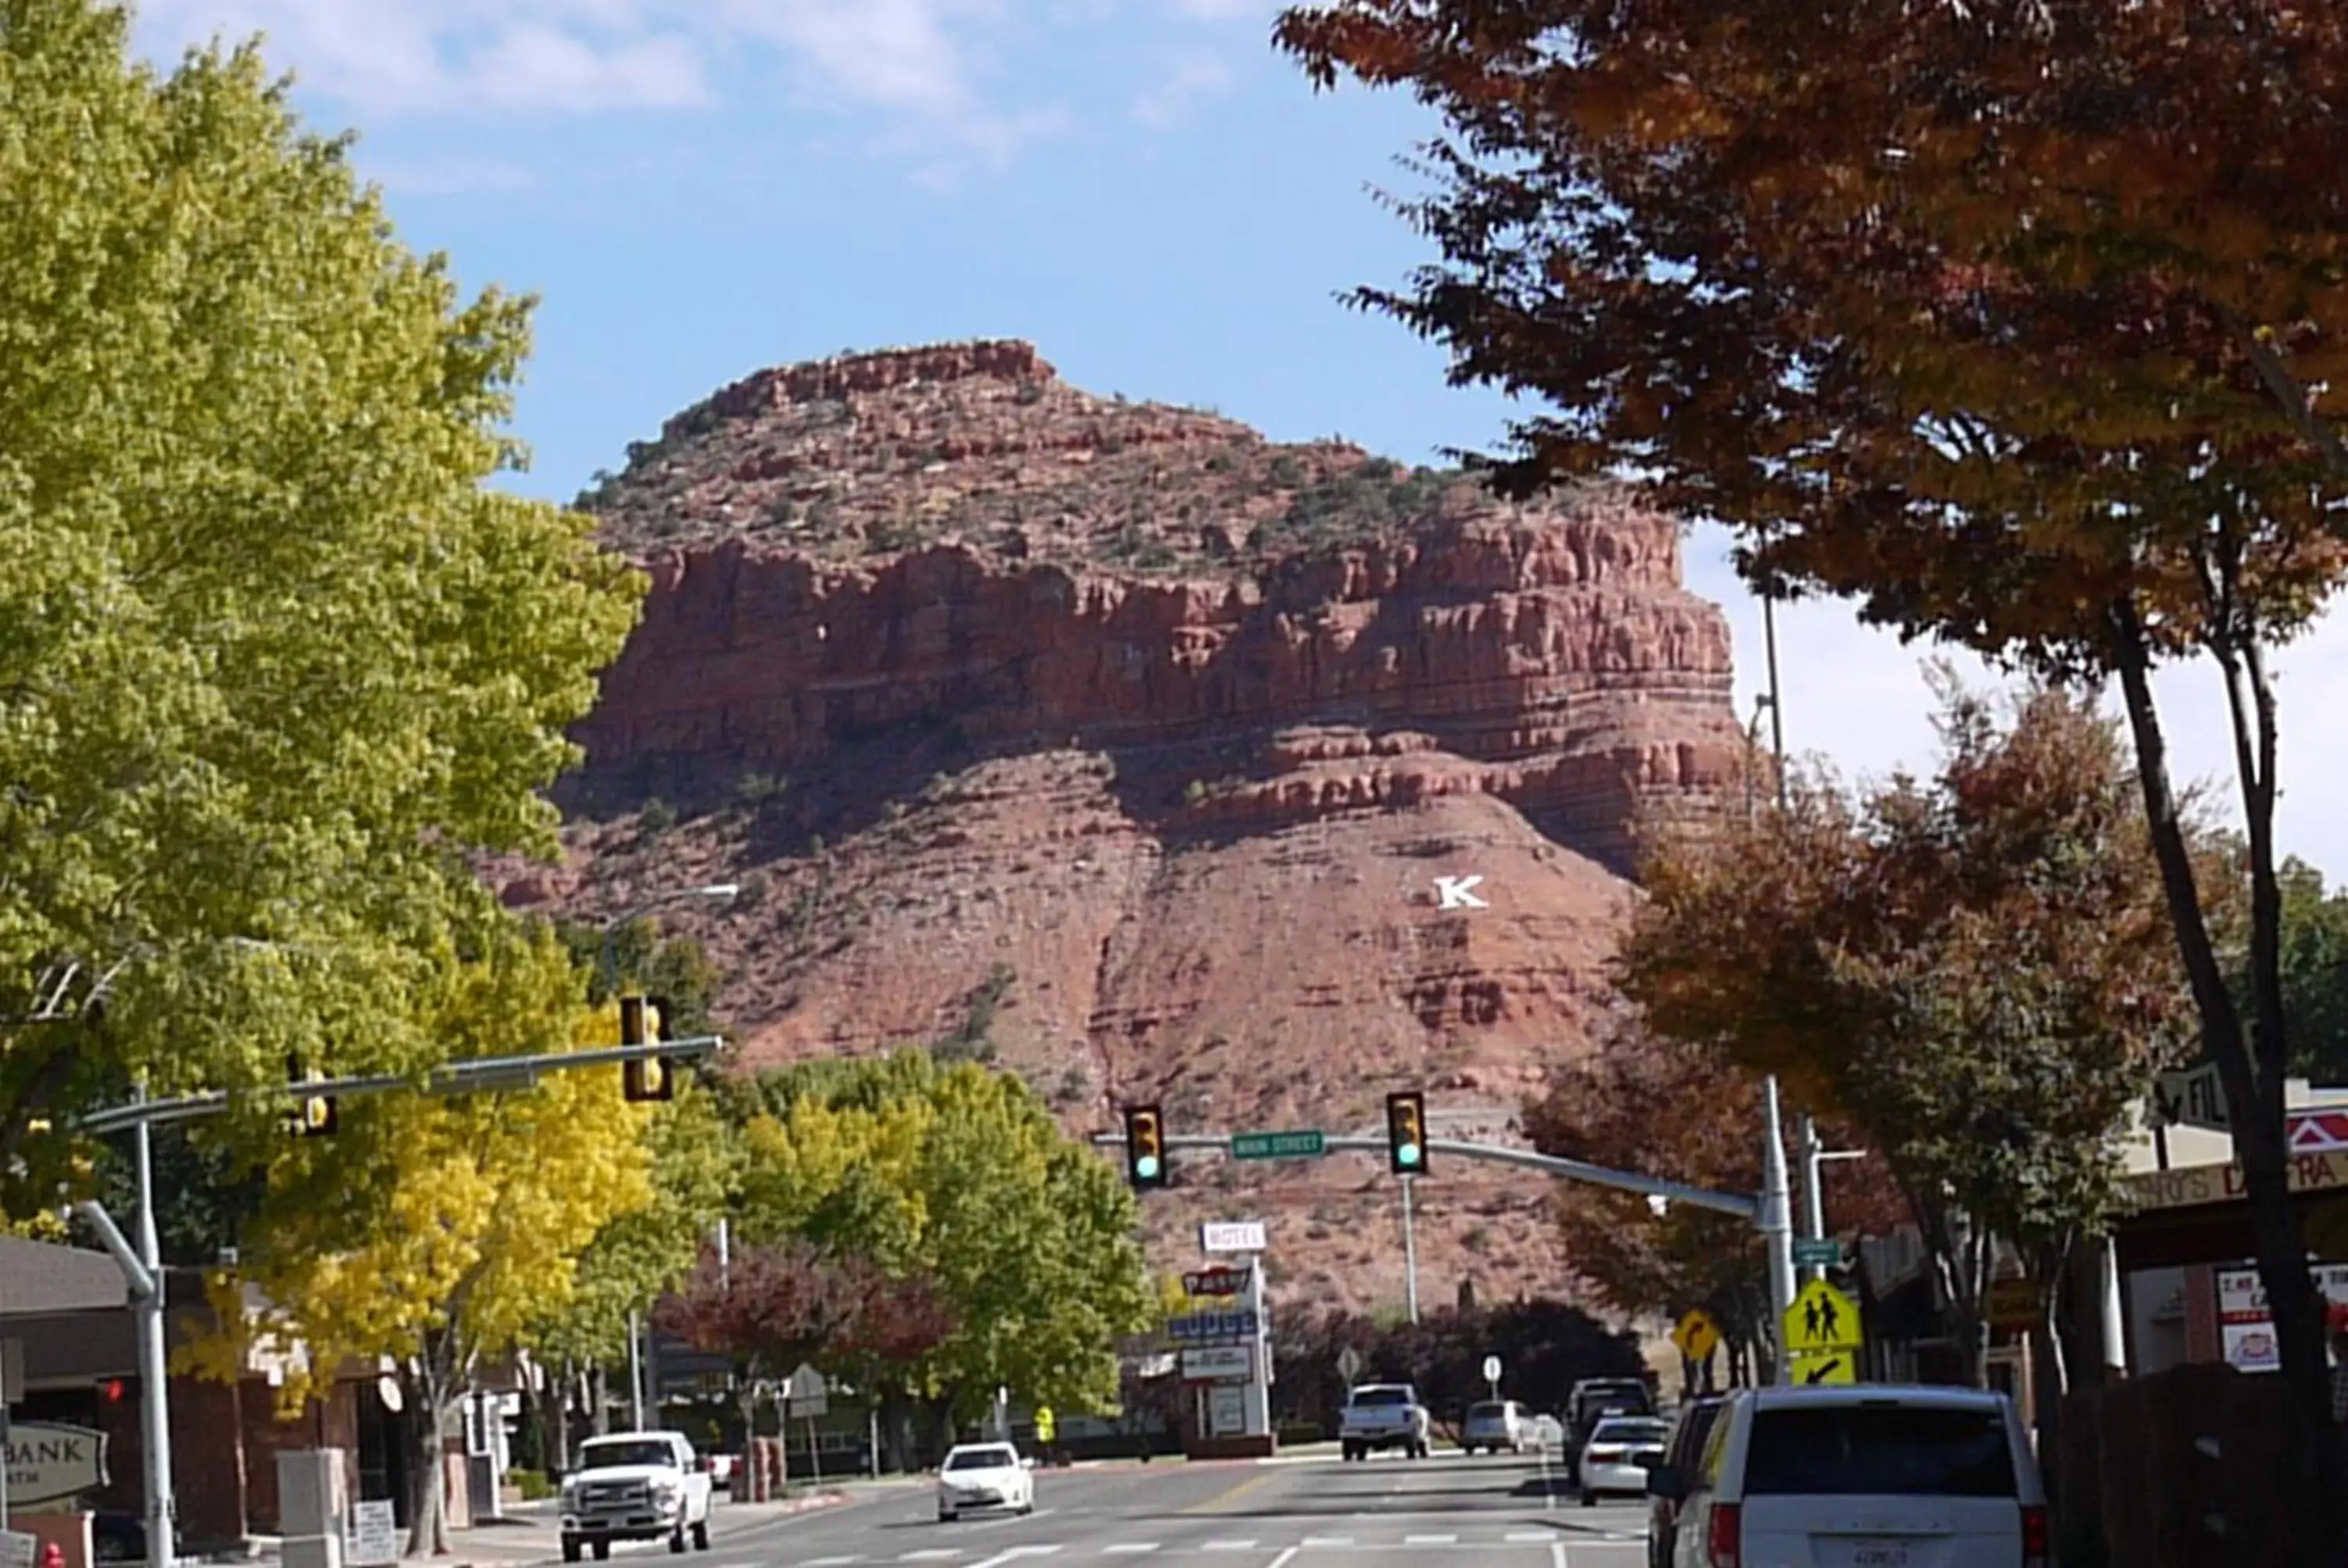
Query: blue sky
[[699, 188]]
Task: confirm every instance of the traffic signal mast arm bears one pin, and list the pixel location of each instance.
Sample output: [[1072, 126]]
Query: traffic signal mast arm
[[1745, 1206], [482, 1075]]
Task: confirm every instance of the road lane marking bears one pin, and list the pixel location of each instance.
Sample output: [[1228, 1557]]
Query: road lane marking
[[1324, 1542], [1014, 1554], [931, 1554], [1557, 1555], [830, 1562], [1215, 1504], [1430, 1541], [1248, 1545], [1131, 1548], [1528, 1537], [1280, 1560]]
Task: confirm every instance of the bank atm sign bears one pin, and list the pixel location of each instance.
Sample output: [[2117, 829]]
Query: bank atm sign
[[47, 1462]]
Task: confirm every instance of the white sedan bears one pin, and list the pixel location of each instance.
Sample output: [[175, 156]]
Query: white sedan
[[978, 1476], [1610, 1459]]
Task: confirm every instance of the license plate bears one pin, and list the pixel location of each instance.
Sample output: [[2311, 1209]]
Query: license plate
[[1880, 1555]]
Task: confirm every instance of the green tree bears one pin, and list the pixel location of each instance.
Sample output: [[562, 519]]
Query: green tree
[[436, 1229], [273, 654], [959, 1173], [2314, 963]]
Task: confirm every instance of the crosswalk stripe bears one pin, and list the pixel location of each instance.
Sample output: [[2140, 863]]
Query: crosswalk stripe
[[830, 1562], [1228, 1546], [1324, 1543], [1430, 1541], [932, 1554], [1528, 1537], [1131, 1548]]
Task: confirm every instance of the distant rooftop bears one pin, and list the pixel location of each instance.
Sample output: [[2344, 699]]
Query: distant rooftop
[[39, 1277]]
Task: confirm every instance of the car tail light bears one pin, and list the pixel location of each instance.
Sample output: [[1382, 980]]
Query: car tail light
[[1605, 1456], [2036, 1553], [1724, 1544]]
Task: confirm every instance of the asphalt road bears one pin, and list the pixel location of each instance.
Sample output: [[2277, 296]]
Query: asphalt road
[[1482, 1512]]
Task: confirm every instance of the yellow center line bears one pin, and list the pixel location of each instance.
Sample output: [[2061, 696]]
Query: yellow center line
[[1220, 1503]]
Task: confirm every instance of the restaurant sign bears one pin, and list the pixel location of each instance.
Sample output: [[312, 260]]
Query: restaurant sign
[[2194, 1185], [48, 1463]]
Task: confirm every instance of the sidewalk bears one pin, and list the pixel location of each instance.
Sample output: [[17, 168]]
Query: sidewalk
[[531, 1533]]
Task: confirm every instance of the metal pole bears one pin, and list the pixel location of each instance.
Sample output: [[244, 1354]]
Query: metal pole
[[1814, 1210], [154, 1373], [1777, 708], [1409, 1255], [1775, 1223], [2114, 1314], [635, 1373], [1259, 1387]]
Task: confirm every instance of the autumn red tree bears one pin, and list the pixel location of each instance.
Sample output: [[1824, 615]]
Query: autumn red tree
[[1975, 970], [2021, 323], [1658, 1107]]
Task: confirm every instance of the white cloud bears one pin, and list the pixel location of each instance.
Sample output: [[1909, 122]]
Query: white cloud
[[1194, 77], [1855, 696]]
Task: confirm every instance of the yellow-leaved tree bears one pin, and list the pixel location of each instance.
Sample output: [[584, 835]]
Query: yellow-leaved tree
[[435, 1229]]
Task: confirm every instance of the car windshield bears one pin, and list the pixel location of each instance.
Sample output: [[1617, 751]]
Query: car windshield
[[1382, 1395], [1642, 1432], [981, 1459], [1879, 1450], [1487, 1412], [602, 1455]]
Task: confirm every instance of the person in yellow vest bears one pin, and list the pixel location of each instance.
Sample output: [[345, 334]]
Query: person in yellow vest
[[1046, 1428]]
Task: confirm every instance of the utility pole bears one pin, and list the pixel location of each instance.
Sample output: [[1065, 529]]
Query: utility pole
[[1776, 1223], [1814, 1210], [635, 1373], [1409, 1255]]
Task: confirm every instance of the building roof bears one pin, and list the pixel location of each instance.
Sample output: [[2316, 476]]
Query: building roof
[[39, 1277]]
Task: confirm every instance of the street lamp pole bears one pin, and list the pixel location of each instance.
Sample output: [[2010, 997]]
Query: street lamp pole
[[154, 1409], [607, 971]]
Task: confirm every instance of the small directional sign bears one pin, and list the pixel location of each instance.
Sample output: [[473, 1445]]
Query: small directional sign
[[1821, 1319], [1300, 1145], [1697, 1335], [1817, 1252], [1828, 1367], [2196, 1098]]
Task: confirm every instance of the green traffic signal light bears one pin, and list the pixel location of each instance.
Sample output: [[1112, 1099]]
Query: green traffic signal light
[[1145, 1147], [1407, 1132]]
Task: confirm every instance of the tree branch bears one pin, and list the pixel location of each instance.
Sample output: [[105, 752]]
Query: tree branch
[[2293, 399]]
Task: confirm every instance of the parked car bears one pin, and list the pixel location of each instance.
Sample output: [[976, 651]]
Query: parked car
[[1493, 1425], [1681, 1450], [635, 1486], [1595, 1398], [1615, 1460], [1892, 1476], [1383, 1416], [721, 1470]]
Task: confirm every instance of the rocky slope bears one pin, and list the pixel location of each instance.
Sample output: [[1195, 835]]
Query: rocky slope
[[1142, 746]]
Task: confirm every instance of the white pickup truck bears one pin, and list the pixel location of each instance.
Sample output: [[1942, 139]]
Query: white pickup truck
[[635, 1486], [1383, 1416]]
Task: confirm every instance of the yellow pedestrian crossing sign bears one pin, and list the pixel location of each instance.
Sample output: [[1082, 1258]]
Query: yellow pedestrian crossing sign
[[1821, 1319], [1697, 1335], [1826, 1366]]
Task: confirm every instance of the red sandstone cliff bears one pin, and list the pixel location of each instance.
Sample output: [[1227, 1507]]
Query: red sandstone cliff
[[1148, 741]]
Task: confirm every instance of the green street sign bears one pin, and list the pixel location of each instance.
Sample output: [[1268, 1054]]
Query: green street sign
[[1816, 1254], [1277, 1146]]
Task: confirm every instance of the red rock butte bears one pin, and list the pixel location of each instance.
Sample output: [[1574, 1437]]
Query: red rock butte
[[1143, 746]]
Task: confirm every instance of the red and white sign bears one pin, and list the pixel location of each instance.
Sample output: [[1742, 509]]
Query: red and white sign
[[2316, 1132], [2245, 1330], [1220, 1279]]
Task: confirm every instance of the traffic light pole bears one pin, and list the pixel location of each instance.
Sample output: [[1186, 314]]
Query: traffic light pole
[[142, 1268], [1409, 1254]]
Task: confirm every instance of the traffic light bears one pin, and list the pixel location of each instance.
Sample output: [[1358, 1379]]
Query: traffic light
[[1145, 1147], [1407, 1132], [311, 1115], [647, 1078]]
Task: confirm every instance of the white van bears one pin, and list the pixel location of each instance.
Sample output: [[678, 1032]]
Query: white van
[[1862, 1476]]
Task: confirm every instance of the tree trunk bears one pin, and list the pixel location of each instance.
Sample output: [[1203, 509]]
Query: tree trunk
[[427, 1407], [557, 1457], [599, 1403], [2252, 1074]]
